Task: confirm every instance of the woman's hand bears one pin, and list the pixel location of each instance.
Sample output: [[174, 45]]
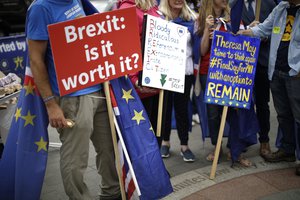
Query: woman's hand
[[254, 23], [247, 32], [209, 25], [209, 22], [147, 90], [144, 89]]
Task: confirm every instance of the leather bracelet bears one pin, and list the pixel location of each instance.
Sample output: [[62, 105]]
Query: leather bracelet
[[48, 98]]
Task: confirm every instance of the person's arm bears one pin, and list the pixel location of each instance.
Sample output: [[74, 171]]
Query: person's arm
[[264, 30], [207, 35], [247, 32], [37, 51]]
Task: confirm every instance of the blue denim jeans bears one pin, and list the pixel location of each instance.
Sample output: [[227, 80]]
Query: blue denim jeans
[[286, 96]]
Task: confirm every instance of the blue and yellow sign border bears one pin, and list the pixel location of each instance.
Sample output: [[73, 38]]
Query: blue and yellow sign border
[[231, 73]]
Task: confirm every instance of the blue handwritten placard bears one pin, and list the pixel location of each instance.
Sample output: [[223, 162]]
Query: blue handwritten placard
[[13, 55], [232, 68]]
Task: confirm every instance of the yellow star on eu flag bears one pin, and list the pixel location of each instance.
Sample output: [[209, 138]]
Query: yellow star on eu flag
[[28, 118], [127, 95], [138, 116], [18, 113], [29, 88], [41, 145], [151, 129]]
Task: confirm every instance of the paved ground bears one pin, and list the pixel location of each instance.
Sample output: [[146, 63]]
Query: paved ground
[[264, 181], [264, 186]]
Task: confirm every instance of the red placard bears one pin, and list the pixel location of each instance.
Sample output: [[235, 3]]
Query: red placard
[[94, 49]]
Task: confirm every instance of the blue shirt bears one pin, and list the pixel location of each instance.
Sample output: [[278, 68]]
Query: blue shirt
[[274, 26], [43, 13]]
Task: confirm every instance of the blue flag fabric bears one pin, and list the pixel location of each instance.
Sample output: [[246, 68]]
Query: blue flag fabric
[[23, 165], [141, 143], [243, 130], [201, 108], [88, 7], [236, 15]]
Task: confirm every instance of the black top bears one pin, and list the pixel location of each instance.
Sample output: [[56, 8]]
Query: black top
[[282, 52]]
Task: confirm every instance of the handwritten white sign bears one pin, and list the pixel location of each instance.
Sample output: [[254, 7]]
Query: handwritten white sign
[[164, 55]]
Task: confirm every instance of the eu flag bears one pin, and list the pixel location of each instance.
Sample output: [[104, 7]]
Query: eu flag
[[88, 7], [24, 160], [243, 129], [236, 15], [141, 143]]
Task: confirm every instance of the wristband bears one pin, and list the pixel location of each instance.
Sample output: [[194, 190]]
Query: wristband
[[48, 98]]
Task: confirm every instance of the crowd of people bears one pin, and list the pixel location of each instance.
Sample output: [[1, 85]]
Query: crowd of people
[[278, 68]]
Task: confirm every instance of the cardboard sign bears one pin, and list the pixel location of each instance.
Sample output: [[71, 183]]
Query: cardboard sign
[[13, 55], [94, 49], [232, 68], [164, 55]]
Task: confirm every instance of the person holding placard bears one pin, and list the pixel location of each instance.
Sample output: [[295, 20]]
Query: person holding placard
[[149, 96], [177, 12], [208, 21], [214, 15], [262, 84], [283, 26], [86, 107]]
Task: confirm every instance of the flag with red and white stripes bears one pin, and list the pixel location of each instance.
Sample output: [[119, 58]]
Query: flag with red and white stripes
[[127, 178], [153, 181]]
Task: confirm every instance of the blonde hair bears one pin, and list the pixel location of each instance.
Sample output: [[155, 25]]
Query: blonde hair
[[145, 4], [165, 8], [206, 8]]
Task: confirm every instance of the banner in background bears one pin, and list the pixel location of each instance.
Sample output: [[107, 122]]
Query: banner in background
[[13, 55], [232, 68], [164, 55], [94, 49]]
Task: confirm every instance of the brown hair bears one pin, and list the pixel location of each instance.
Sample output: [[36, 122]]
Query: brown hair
[[206, 8], [145, 4]]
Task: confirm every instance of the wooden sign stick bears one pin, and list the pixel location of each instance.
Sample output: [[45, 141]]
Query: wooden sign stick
[[159, 115], [114, 138], [257, 9], [219, 143]]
